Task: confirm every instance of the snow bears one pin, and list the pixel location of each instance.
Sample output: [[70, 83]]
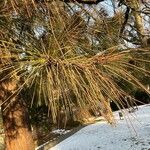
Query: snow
[[60, 131], [132, 133], [41, 146], [57, 131]]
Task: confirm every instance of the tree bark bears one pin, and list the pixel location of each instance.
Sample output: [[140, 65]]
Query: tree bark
[[18, 134], [135, 4]]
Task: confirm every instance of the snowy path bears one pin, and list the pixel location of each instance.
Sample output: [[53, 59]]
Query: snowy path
[[101, 136]]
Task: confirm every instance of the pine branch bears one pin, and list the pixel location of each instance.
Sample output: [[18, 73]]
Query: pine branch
[[73, 1]]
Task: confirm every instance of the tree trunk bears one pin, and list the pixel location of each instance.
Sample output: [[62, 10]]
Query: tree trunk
[[135, 4], [18, 134]]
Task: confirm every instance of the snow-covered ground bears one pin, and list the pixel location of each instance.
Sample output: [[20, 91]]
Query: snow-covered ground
[[60, 131], [132, 133]]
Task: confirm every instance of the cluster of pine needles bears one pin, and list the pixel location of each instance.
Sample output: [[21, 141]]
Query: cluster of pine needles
[[64, 60]]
